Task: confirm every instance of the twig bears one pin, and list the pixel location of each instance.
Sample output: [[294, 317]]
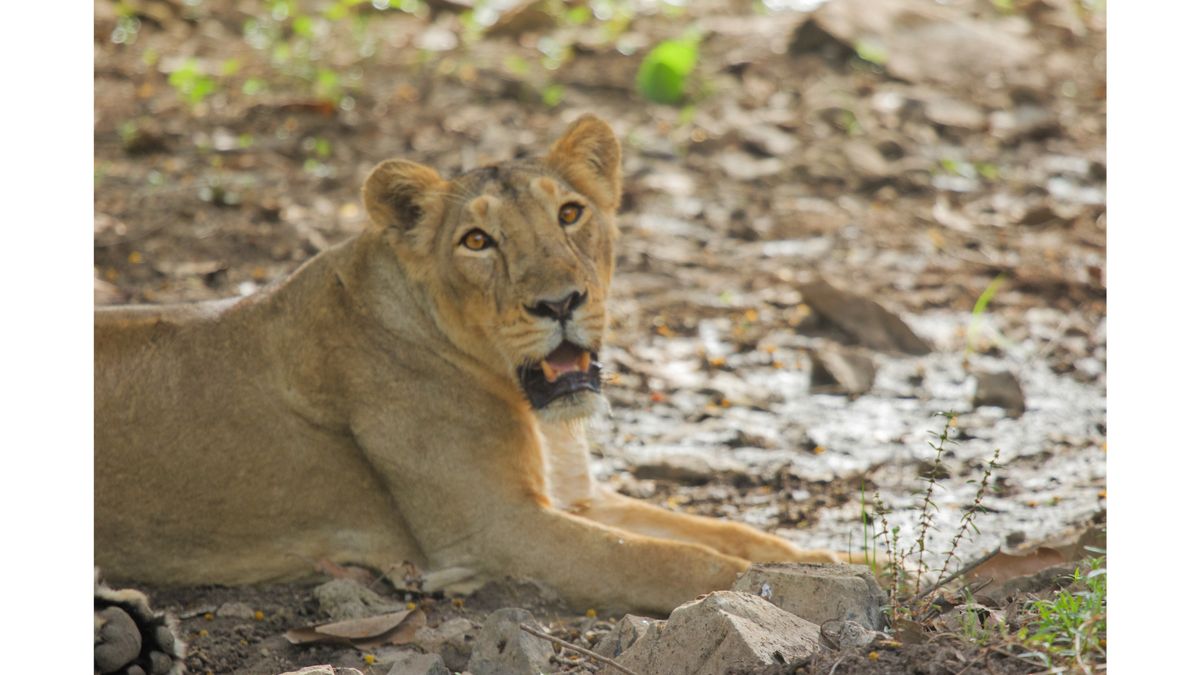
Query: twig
[[576, 648]]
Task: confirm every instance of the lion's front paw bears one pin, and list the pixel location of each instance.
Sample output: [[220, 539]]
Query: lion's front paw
[[132, 639]]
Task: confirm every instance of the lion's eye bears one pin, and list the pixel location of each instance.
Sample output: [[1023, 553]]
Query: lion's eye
[[569, 214], [477, 240]]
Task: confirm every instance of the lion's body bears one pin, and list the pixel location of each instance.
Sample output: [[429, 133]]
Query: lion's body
[[369, 409]]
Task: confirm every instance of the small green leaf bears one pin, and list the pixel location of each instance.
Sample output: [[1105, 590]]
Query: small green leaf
[[303, 26], [663, 75], [553, 94], [871, 52]]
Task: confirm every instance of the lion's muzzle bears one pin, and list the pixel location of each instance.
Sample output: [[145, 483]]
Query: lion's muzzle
[[566, 370]]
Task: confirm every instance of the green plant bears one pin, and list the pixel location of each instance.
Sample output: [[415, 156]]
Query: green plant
[[871, 52], [968, 517], [663, 74], [906, 596], [981, 305], [1072, 624], [192, 85], [928, 506], [980, 624]]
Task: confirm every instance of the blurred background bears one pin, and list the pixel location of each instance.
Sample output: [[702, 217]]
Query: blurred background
[[840, 218]]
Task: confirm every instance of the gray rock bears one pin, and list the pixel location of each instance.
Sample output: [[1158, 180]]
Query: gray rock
[[1000, 389], [768, 140], [818, 592], [160, 663], [954, 114], [1026, 122], [848, 634], [235, 610], [720, 633], [841, 371], [863, 319], [628, 630], [688, 468], [345, 599], [414, 663], [504, 649], [453, 640], [866, 160], [117, 640], [913, 40]]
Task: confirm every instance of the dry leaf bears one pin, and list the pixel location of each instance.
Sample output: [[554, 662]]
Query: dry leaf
[[395, 628], [1004, 566], [909, 632]]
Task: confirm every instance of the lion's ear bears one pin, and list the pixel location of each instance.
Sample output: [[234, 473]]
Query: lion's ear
[[399, 194], [589, 156]]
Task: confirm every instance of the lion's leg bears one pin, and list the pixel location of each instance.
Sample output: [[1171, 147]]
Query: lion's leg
[[572, 489], [481, 507], [736, 539], [599, 566]]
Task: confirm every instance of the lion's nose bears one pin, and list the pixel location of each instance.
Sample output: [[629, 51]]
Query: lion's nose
[[558, 310]]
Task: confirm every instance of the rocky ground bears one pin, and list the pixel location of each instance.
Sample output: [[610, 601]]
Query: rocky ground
[[859, 216]]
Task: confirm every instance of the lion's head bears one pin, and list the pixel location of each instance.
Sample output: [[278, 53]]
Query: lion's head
[[516, 259]]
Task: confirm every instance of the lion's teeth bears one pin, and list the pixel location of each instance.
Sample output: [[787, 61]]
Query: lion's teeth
[[549, 372], [585, 361]]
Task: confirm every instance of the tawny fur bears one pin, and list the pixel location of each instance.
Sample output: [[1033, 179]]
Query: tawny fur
[[366, 410]]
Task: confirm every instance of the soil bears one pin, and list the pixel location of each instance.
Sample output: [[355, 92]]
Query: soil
[[896, 179]]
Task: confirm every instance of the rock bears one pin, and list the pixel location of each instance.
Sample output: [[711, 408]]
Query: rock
[[504, 649], [768, 140], [688, 468], [865, 160], [848, 634], [528, 16], [235, 610], [1000, 389], [628, 630], [1026, 122], [160, 663], [818, 592], [345, 599], [720, 633], [864, 320], [453, 640], [841, 371], [415, 663], [915, 40], [745, 167], [117, 640], [954, 114]]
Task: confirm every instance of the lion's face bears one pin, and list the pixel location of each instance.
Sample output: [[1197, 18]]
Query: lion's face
[[517, 260]]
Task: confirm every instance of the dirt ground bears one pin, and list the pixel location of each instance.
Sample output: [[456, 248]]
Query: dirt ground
[[914, 168]]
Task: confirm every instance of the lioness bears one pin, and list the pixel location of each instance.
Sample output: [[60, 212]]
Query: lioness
[[416, 393]]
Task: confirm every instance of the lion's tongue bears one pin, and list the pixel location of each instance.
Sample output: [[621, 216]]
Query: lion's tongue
[[567, 358]]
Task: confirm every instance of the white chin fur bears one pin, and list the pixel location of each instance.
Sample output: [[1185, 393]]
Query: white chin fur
[[578, 406]]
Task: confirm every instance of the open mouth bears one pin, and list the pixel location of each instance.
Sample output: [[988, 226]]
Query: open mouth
[[566, 370]]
